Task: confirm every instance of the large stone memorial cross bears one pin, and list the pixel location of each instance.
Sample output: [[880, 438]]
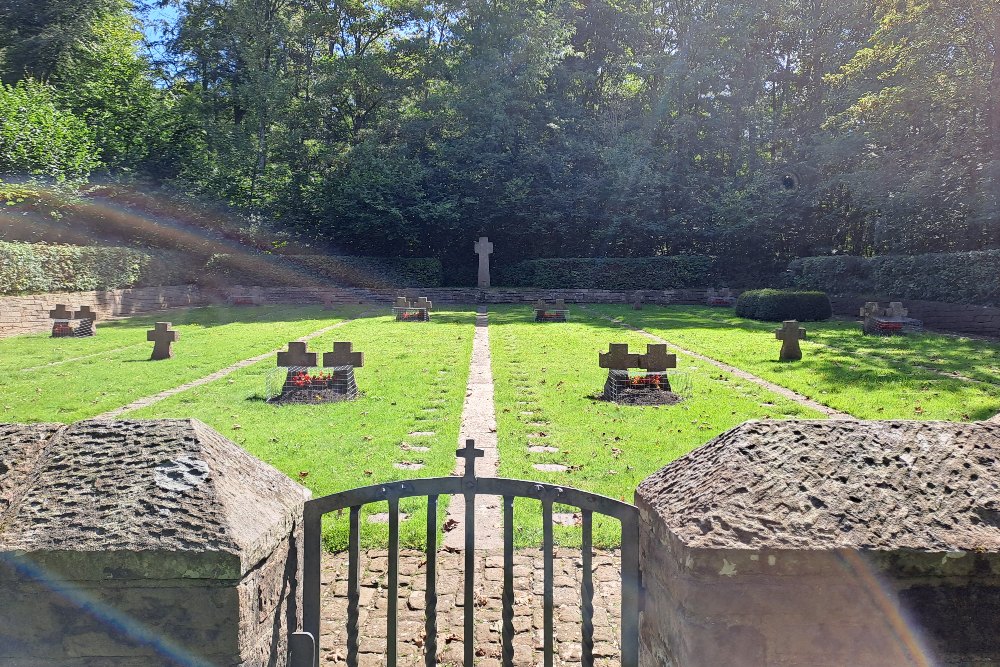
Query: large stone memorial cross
[[789, 334], [162, 337], [484, 249]]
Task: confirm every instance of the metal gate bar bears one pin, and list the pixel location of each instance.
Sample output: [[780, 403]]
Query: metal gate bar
[[304, 645]]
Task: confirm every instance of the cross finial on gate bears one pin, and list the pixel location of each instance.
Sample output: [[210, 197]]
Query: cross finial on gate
[[470, 453]]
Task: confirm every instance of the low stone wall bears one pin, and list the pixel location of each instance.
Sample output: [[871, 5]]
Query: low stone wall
[[458, 295], [956, 317], [30, 314]]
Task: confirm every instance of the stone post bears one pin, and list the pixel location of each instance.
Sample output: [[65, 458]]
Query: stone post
[[825, 543], [144, 543]]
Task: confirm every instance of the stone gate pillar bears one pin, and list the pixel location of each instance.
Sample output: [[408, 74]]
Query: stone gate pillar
[[825, 544], [144, 543]]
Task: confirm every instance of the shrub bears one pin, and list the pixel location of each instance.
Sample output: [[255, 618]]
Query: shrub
[[623, 273], [38, 138], [771, 305], [956, 277], [321, 270], [27, 268]]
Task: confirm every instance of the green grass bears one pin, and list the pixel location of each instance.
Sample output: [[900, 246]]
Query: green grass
[[922, 376], [413, 380], [551, 370], [97, 374]]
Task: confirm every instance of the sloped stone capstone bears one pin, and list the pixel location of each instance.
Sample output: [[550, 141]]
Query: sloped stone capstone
[[825, 543], [163, 523]]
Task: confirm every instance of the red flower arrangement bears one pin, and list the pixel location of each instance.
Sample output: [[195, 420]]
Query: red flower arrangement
[[303, 380], [653, 381]]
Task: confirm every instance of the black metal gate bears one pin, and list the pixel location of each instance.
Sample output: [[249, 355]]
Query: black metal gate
[[304, 645]]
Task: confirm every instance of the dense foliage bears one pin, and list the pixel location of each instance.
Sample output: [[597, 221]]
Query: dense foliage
[[626, 273], [753, 131], [310, 270], [39, 138], [771, 305], [958, 277], [27, 268]]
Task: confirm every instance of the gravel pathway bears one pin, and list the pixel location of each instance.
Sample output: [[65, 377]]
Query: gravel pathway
[[228, 370], [738, 372]]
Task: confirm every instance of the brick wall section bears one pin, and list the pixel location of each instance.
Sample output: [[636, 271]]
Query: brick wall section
[[956, 317], [30, 314]]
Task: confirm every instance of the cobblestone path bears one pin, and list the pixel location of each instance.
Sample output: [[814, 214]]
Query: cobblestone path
[[489, 583]]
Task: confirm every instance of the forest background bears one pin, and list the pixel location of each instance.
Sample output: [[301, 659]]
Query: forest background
[[751, 131]]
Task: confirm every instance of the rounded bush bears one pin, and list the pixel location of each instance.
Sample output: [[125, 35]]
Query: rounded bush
[[771, 305]]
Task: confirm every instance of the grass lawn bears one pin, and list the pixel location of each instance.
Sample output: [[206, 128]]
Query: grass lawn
[[413, 381], [545, 375], [68, 379], [923, 376]]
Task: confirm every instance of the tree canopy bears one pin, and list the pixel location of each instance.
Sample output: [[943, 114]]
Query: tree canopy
[[755, 131]]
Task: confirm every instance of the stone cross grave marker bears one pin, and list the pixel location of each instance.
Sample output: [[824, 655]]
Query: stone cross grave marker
[[484, 249], [790, 334], [637, 301], [896, 310], [162, 337], [402, 302], [87, 326], [870, 309], [557, 313], [62, 315], [343, 356], [656, 358], [424, 302], [297, 356], [618, 358]]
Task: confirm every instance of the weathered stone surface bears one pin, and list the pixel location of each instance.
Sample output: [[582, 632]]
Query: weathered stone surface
[[128, 494], [822, 484], [143, 542], [484, 249], [825, 543]]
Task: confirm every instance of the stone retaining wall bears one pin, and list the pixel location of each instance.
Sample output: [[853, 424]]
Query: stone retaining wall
[[460, 295], [30, 314], [957, 317]]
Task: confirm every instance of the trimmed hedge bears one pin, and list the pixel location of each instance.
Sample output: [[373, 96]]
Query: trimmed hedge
[[29, 268], [32, 268], [321, 270], [954, 277], [624, 273], [771, 305]]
